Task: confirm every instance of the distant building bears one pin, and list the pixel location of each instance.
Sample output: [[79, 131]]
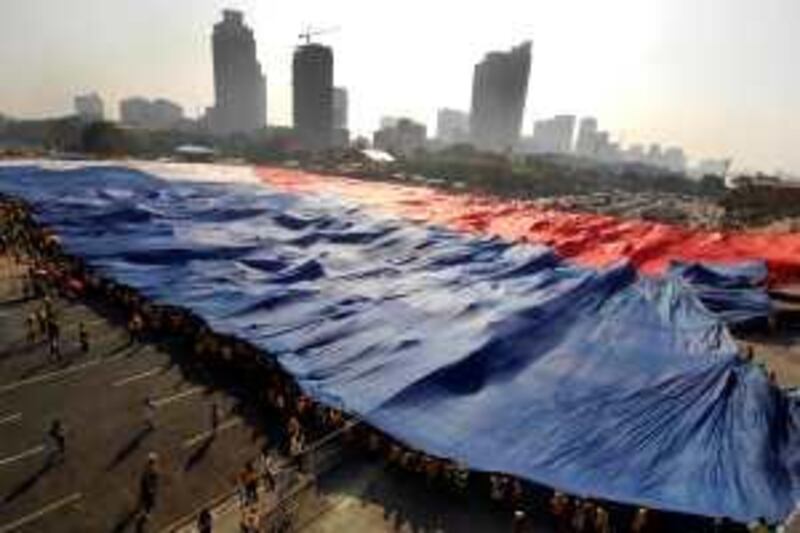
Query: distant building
[[654, 156], [159, 114], [452, 126], [89, 107], [312, 82], [167, 114], [635, 153], [540, 142], [499, 91], [239, 85], [586, 144], [341, 133], [388, 122], [340, 104], [605, 150], [674, 160], [563, 132], [403, 138], [714, 167], [554, 136], [135, 112]]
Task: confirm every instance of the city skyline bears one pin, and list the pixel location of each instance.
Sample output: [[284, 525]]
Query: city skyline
[[717, 79]]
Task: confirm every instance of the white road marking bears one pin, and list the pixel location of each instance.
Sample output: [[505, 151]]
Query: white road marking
[[200, 437], [11, 526], [137, 377], [58, 373], [11, 418], [176, 397], [27, 453]]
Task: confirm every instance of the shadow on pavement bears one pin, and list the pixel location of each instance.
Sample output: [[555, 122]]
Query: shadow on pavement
[[28, 484], [408, 504], [129, 448], [198, 454], [129, 518]]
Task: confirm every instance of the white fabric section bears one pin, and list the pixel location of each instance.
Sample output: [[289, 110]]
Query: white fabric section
[[204, 172]]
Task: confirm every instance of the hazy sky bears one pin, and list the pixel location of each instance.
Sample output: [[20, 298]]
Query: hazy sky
[[718, 77]]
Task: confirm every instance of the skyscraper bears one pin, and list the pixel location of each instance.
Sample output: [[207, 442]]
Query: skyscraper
[[239, 85], [312, 80], [499, 90]]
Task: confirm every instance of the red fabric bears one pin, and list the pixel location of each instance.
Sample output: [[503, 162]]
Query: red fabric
[[588, 239]]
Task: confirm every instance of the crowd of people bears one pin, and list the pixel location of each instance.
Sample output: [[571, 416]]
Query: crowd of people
[[300, 419]]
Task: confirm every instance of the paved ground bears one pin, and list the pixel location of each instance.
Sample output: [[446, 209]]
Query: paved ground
[[99, 397], [365, 497]]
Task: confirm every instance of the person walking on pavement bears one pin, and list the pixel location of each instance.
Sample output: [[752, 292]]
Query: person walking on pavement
[[57, 435], [31, 327], [48, 308], [266, 468], [83, 338], [204, 521], [149, 413], [41, 318], [54, 338], [135, 327], [250, 479], [215, 416], [148, 486]]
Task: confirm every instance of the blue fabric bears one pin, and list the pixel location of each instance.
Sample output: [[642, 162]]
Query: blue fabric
[[737, 293], [597, 382]]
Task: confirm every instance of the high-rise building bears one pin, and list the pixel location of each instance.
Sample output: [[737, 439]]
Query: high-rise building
[[239, 85], [159, 114], [499, 91], [586, 145], [452, 126], [312, 81], [89, 107]]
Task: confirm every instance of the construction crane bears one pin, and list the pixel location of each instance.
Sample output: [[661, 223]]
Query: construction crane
[[311, 32]]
